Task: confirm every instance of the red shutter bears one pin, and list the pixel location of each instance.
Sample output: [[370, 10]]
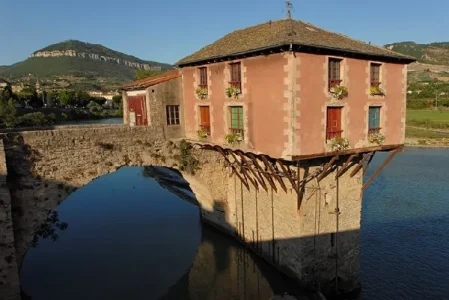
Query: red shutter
[[333, 122], [205, 118]]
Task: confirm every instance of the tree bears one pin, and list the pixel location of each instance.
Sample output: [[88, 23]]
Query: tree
[[8, 113], [142, 73], [94, 108], [117, 100], [6, 93], [99, 100], [67, 97]]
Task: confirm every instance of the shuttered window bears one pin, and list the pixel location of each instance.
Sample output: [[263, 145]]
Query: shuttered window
[[375, 75], [236, 76], [236, 114], [203, 77], [172, 114], [374, 120], [205, 118], [334, 72], [333, 128]]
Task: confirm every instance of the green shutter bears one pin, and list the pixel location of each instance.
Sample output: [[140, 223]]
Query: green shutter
[[374, 113], [237, 117]]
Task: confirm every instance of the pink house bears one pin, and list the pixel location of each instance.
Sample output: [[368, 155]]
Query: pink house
[[290, 89]]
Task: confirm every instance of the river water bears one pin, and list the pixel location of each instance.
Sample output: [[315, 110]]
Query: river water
[[129, 238]]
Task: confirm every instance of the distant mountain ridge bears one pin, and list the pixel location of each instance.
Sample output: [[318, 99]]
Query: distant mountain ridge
[[433, 53], [74, 48], [76, 64]]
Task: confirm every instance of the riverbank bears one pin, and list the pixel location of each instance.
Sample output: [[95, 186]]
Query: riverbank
[[426, 137]]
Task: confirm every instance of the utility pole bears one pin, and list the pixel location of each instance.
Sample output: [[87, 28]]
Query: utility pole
[[289, 8]]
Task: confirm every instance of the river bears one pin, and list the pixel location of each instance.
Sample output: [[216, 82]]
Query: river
[[95, 121], [129, 238]]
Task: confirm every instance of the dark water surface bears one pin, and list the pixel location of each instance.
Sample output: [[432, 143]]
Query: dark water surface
[[99, 121], [128, 238], [405, 224]]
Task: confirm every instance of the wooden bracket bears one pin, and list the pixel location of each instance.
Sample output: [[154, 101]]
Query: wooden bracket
[[380, 168], [345, 167], [274, 172], [327, 167], [361, 163]]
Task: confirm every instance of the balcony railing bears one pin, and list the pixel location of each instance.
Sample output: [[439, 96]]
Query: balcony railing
[[205, 128], [236, 84], [374, 130], [240, 131], [333, 134], [334, 82]]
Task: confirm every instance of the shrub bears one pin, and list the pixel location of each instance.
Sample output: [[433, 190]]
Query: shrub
[[64, 117], [34, 119], [187, 162], [339, 143]]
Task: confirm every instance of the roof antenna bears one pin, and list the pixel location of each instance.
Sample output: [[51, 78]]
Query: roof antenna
[[289, 7]]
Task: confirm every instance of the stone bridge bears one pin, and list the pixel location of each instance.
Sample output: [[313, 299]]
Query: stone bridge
[[314, 242]]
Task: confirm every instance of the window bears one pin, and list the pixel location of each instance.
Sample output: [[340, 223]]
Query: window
[[205, 118], [236, 113], [333, 128], [375, 75], [203, 77], [373, 120], [236, 76], [172, 114], [334, 72]]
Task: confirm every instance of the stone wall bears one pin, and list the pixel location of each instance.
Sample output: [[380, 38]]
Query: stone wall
[[9, 276], [306, 241]]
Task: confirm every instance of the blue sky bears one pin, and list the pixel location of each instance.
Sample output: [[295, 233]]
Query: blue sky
[[168, 30]]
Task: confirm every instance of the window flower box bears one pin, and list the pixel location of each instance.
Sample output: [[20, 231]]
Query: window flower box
[[376, 91], [233, 138], [339, 92], [232, 92], [202, 134], [339, 143], [201, 92], [376, 138]]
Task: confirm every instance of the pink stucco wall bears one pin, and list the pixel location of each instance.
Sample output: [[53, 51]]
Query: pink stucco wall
[[262, 99], [285, 96], [313, 99]]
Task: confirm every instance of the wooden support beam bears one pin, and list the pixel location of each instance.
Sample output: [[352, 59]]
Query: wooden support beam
[[247, 163], [288, 174], [242, 169], [259, 168], [379, 169], [327, 167], [221, 151], [275, 175], [346, 165], [360, 165]]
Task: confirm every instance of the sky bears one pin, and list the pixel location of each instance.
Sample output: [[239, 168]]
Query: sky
[[168, 30]]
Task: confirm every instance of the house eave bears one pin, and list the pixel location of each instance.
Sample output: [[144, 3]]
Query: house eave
[[300, 48]]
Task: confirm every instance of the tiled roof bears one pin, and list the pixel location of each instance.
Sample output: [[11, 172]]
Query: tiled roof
[[285, 32], [150, 81]]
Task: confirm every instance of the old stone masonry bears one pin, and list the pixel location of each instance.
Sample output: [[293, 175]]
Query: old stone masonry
[[314, 241]]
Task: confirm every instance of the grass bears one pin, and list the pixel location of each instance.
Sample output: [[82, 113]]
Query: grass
[[423, 133], [428, 119]]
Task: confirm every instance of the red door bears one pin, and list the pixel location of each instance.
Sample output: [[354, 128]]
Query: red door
[[333, 128], [137, 106], [205, 118]]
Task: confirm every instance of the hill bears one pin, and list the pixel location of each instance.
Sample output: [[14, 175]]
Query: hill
[[79, 65], [433, 53]]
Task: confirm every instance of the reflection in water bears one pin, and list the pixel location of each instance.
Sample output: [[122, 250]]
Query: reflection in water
[[129, 238], [49, 229]]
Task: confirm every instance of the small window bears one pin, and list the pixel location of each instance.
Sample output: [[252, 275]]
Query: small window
[[375, 75], [373, 120], [203, 77], [334, 72], [236, 113], [236, 76], [205, 118], [333, 128], [172, 114]]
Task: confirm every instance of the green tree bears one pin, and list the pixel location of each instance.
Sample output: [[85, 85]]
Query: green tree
[[67, 97], [142, 73], [8, 113], [6, 93], [94, 108], [117, 101]]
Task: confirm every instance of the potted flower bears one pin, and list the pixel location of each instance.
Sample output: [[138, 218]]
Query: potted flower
[[201, 92], [339, 91], [202, 134], [232, 92], [376, 91], [339, 143], [233, 138], [376, 138]]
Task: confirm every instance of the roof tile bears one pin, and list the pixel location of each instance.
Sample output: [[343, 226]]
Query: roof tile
[[150, 81]]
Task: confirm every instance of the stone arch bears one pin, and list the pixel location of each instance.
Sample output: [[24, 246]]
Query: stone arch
[[45, 167]]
